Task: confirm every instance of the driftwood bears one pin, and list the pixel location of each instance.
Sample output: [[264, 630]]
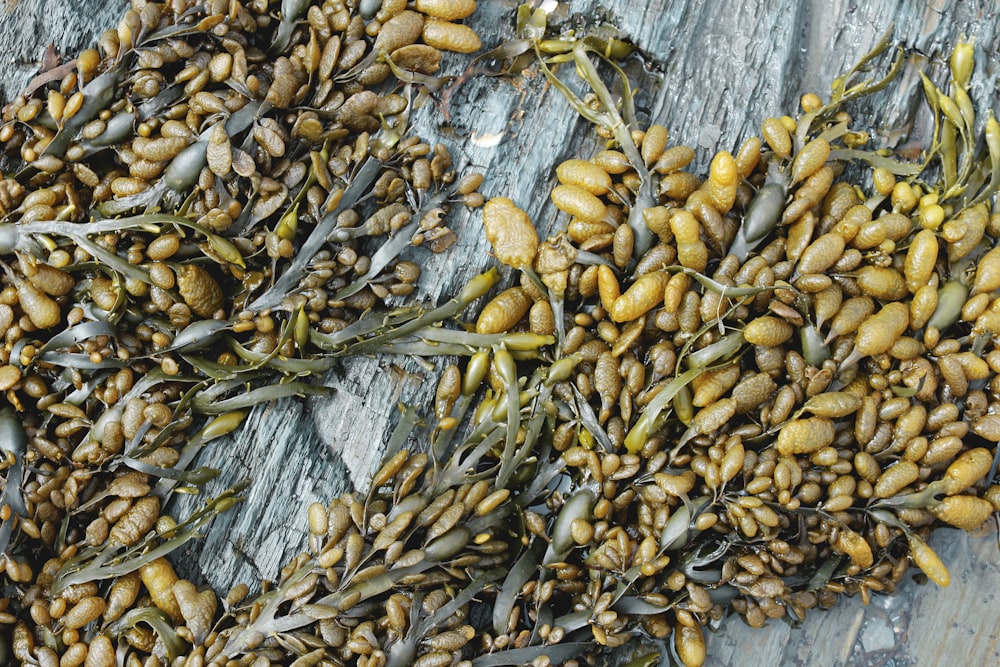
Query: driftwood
[[717, 72]]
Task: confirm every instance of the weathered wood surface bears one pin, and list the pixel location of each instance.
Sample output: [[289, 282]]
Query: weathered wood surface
[[722, 72], [27, 27]]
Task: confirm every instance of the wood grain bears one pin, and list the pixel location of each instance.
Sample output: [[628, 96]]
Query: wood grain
[[711, 77], [27, 27]]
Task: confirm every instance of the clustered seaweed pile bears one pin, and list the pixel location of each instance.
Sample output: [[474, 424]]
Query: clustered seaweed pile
[[754, 391], [194, 217]]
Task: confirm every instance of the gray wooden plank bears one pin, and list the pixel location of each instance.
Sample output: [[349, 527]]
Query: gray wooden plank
[[29, 26]]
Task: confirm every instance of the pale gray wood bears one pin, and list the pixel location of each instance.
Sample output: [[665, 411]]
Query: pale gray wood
[[723, 71], [27, 27]]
